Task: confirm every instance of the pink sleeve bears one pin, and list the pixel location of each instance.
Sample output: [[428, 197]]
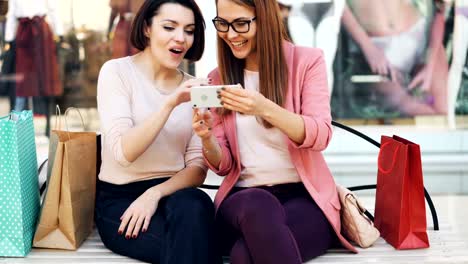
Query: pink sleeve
[[315, 105], [218, 131], [113, 100], [193, 154]]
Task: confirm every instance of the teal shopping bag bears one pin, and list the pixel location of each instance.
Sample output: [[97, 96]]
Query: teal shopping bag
[[19, 192]]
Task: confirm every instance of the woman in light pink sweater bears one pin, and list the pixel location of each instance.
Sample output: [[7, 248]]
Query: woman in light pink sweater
[[147, 203]]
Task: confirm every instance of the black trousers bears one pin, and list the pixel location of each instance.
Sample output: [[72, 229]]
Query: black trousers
[[181, 230]]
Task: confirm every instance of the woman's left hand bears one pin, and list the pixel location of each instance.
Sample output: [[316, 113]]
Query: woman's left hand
[[138, 214], [244, 101]]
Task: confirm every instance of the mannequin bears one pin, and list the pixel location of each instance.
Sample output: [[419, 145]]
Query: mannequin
[[300, 30], [125, 10], [36, 61], [315, 24], [327, 30]]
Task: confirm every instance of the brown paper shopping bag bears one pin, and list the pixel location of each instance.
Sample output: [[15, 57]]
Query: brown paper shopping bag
[[67, 211]]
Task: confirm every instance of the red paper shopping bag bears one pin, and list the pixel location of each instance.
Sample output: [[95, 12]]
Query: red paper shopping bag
[[400, 212]]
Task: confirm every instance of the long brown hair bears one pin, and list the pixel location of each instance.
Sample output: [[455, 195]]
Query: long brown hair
[[273, 71]]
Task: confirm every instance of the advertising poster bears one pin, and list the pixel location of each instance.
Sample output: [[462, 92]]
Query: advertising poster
[[393, 59]]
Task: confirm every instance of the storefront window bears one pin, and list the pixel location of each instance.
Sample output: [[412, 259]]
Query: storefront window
[[387, 60], [52, 53]]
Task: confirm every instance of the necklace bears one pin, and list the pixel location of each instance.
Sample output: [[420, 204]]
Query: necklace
[[171, 89], [154, 83]]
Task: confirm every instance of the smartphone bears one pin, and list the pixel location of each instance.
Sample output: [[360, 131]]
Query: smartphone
[[207, 96]]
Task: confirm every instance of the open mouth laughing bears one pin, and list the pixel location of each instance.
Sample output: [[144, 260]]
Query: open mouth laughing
[[239, 44]]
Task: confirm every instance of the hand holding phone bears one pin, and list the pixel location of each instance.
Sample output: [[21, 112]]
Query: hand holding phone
[[207, 96]]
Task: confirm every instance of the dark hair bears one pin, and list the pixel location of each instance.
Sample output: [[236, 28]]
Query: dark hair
[[144, 18], [288, 7], [273, 70]]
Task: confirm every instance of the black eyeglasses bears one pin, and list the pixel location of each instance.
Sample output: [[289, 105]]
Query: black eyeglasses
[[240, 25]]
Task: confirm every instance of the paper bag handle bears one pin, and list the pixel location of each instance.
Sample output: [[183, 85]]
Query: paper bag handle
[[58, 118], [79, 113], [58, 113], [382, 170]]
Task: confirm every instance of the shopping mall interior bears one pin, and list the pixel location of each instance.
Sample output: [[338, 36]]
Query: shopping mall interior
[[420, 94]]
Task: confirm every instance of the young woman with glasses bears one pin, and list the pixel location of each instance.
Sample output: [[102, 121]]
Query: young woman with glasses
[[147, 203], [278, 202]]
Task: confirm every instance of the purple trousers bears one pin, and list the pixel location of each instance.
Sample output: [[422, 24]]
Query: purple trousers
[[272, 224]]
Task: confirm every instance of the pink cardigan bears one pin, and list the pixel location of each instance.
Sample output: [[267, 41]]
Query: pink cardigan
[[307, 95]]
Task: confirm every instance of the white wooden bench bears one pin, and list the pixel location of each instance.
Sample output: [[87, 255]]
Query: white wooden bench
[[449, 245]]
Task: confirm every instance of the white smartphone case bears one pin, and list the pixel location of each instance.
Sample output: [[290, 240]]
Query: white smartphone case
[[206, 96]]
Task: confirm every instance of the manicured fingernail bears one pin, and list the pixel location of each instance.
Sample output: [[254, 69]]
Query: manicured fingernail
[[127, 236], [143, 230], [218, 91], [219, 96], [120, 232], [222, 103], [134, 236], [224, 88]]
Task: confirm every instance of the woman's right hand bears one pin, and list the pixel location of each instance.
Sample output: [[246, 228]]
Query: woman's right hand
[[138, 215], [183, 94], [202, 123]]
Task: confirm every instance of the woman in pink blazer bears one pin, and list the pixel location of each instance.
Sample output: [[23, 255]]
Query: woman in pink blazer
[[278, 202]]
